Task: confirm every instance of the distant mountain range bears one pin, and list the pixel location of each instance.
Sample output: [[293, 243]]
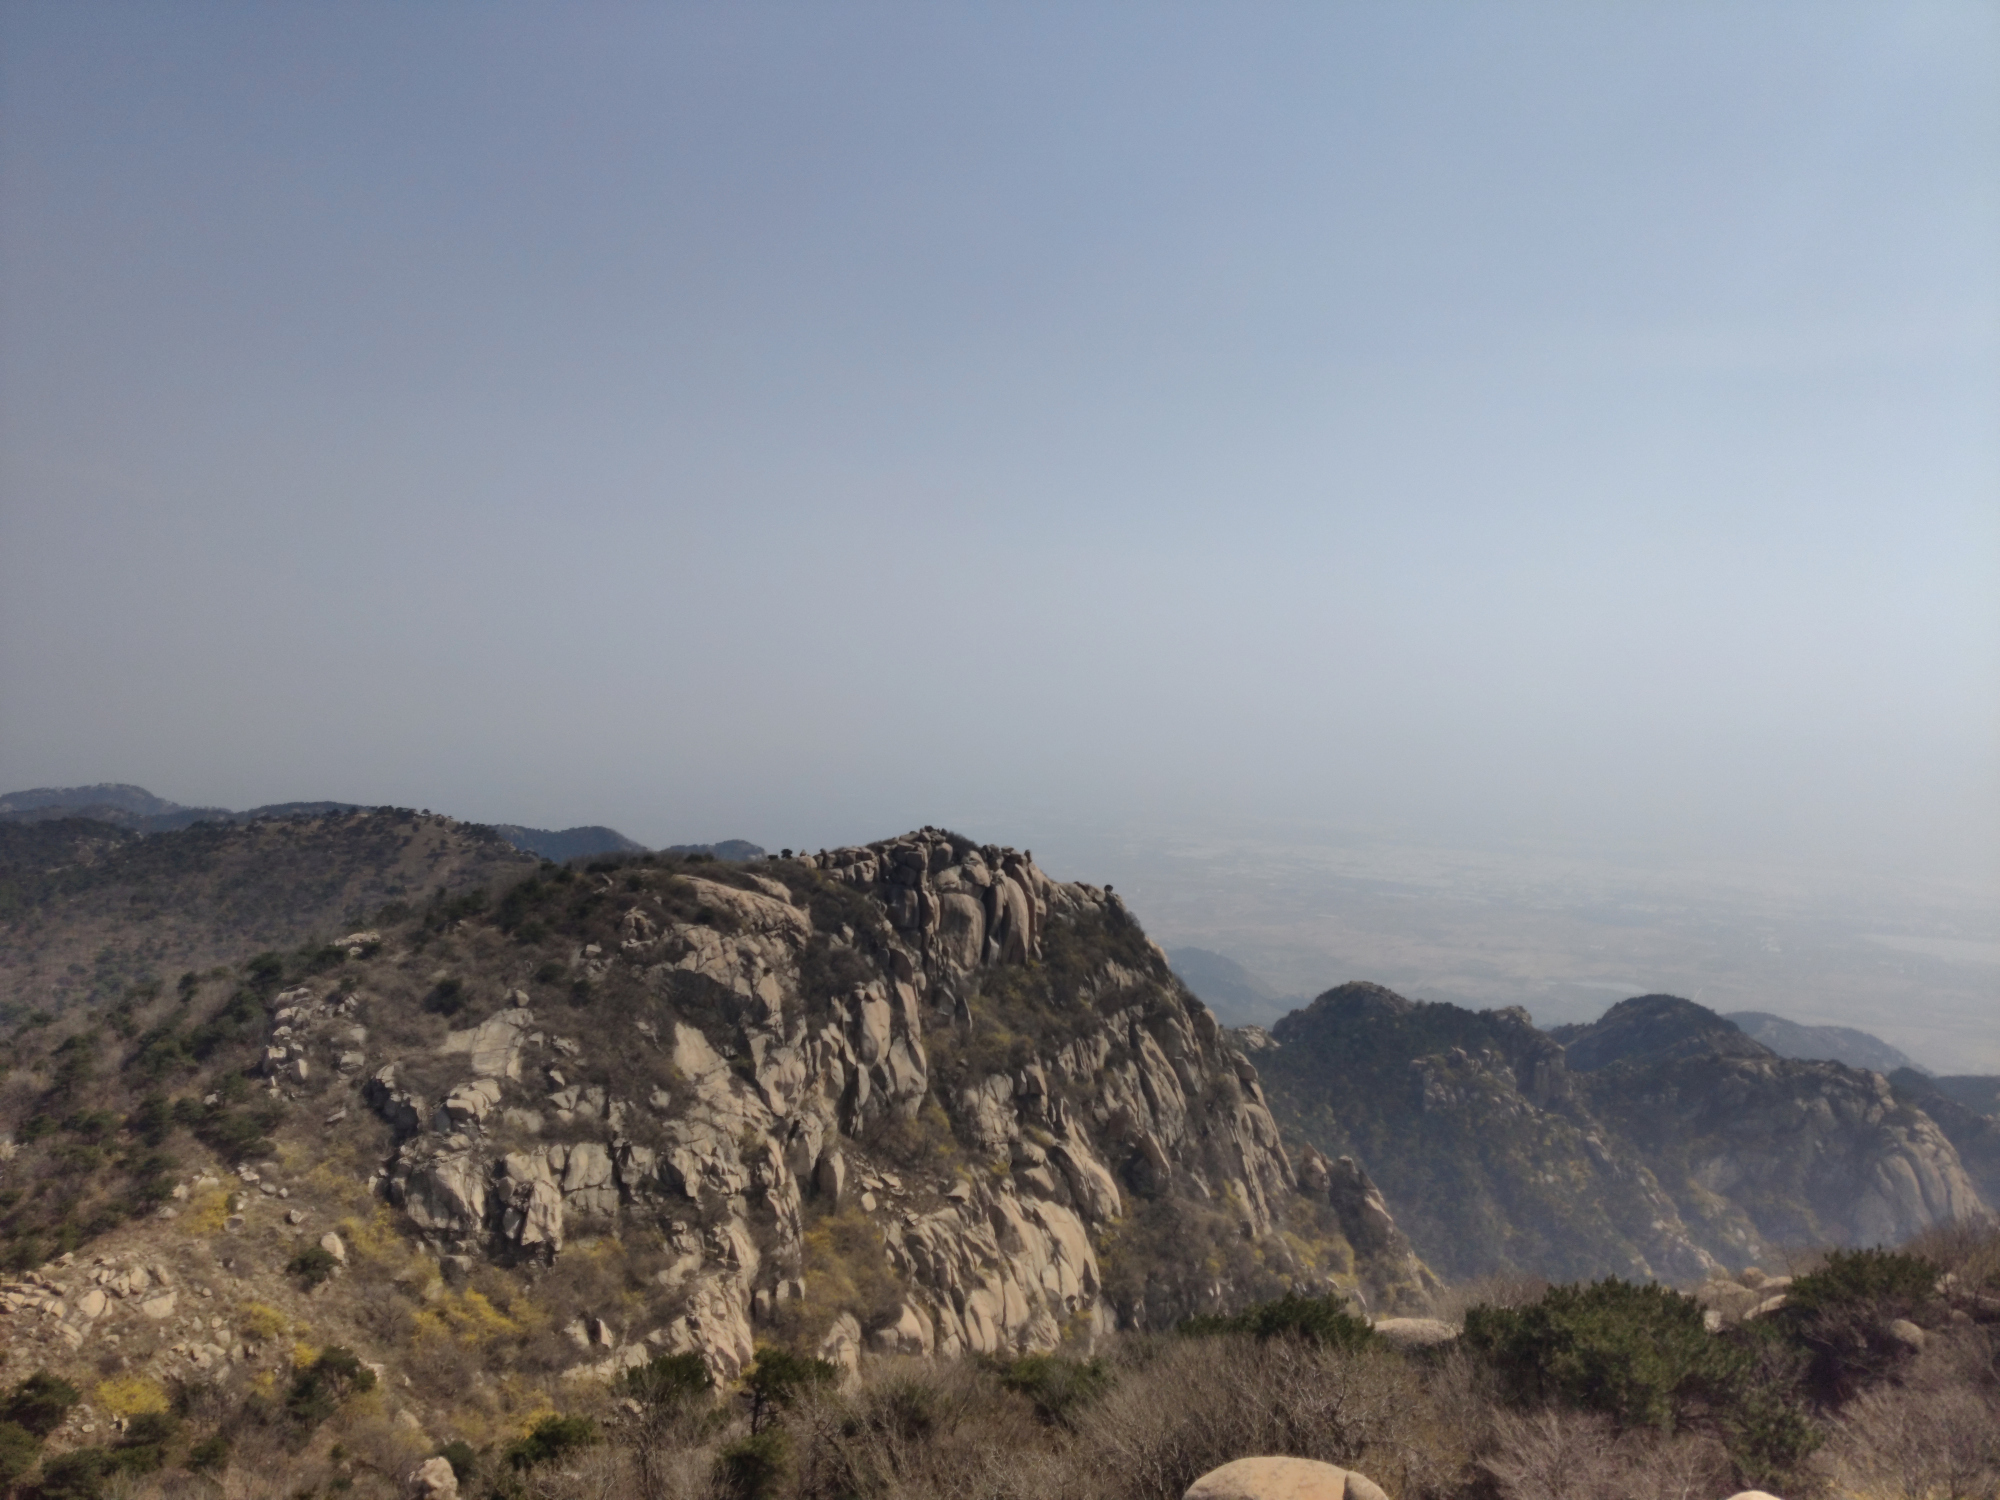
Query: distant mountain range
[[133, 807], [1238, 997], [561, 844], [1827, 1043]]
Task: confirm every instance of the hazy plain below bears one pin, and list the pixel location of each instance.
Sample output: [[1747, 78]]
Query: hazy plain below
[[1914, 960]]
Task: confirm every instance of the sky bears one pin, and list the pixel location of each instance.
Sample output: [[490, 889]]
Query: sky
[[1464, 423]]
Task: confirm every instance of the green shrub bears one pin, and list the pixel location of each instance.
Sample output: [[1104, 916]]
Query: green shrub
[[778, 1378], [1885, 1279], [321, 1386], [551, 1439], [153, 1121], [76, 1475], [312, 1265], [755, 1468], [1642, 1356], [210, 1455], [447, 998], [1769, 1433], [1059, 1387], [1635, 1353], [39, 1403], [240, 1019], [319, 960], [1317, 1320], [462, 1459], [231, 1134], [1841, 1315], [669, 1380], [143, 1448], [19, 1448]]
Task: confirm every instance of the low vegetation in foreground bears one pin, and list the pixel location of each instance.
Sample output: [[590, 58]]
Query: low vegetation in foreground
[[1879, 1376]]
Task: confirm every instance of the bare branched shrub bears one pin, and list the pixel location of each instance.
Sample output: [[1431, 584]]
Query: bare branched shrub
[[666, 1470], [1935, 1435], [1553, 1454], [1500, 1289], [913, 1428], [1967, 1248], [599, 1472], [1198, 1403]]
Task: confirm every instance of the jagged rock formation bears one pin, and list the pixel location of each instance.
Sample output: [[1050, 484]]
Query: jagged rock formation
[[922, 1050], [1659, 1142]]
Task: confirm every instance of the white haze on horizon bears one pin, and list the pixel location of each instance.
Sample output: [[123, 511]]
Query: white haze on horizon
[[1545, 430]]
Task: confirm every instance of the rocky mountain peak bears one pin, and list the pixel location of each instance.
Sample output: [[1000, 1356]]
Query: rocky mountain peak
[[1356, 999], [912, 1096], [1653, 1029]]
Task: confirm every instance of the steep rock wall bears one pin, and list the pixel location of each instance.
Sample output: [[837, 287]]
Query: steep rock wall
[[914, 1096]]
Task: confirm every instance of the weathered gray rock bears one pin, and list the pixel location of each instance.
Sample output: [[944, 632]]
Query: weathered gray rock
[[531, 1202], [433, 1479], [470, 1103], [842, 1345], [446, 1193], [588, 1178], [830, 1175], [495, 1044]]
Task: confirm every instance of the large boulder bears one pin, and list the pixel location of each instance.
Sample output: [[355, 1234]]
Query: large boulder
[[1283, 1479], [495, 1044], [433, 1479]]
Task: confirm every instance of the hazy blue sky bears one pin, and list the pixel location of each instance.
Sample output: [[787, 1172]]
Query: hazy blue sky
[[802, 422]]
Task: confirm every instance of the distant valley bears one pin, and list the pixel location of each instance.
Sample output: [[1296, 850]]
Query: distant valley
[[1908, 958]]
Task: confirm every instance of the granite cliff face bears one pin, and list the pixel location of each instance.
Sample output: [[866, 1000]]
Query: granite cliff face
[[1808, 1153], [1974, 1132], [911, 1097], [1658, 1142]]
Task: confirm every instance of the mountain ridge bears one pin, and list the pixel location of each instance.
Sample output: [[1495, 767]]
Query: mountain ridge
[[1843, 1044], [1659, 1141], [123, 805]]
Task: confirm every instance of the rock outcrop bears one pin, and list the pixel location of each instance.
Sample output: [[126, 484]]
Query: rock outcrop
[[922, 1055]]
